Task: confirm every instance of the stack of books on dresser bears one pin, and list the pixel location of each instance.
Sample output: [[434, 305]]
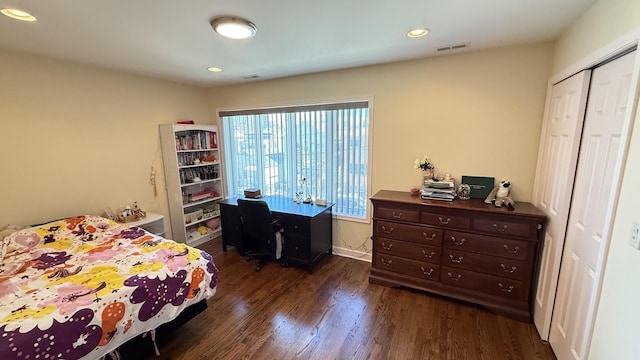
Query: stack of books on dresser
[[438, 190]]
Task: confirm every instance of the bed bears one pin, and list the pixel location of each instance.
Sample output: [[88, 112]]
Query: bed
[[78, 288]]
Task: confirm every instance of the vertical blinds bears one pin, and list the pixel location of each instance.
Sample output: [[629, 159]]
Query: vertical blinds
[[320, 151]]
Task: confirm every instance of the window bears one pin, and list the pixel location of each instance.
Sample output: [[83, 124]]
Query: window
[[316, 150]]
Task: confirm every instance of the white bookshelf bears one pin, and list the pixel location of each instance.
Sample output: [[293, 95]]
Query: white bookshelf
[[193, 177]]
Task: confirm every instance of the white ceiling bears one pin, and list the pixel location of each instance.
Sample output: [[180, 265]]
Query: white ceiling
[[172, 39]]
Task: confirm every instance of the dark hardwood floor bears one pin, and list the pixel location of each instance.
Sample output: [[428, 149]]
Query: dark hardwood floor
[[285, 313]]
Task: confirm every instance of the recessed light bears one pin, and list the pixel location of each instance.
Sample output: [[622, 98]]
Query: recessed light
[[416, 33], [18, 14], [233, 27], [214, 69]]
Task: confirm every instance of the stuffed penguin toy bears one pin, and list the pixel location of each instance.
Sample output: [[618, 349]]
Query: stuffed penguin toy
[[500, 195]]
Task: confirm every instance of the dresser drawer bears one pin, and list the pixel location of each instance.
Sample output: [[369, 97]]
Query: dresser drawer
[[495, 285], [417, 269], [413, 233], [502, 227], [446, 220], [507, 248], [408, 250], [513, 269], [398, 214]]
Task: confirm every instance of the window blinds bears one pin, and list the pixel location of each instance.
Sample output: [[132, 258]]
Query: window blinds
[[321, 151]]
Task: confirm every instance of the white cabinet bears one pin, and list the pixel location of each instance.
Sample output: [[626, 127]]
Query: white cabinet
[[193, 174], [153, 223]]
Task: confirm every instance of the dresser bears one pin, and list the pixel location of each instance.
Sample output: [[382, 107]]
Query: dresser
[[462, 249]]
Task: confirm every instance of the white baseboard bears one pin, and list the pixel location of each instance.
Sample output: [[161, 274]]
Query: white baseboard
[[358, 255]]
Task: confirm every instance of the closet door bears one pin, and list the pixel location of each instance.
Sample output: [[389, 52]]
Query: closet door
[[592, 209], [558, 155]]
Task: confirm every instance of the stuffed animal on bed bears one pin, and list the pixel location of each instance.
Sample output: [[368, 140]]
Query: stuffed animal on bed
[[500, 195]]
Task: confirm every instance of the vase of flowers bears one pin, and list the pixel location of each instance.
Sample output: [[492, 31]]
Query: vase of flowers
[[425, 165]]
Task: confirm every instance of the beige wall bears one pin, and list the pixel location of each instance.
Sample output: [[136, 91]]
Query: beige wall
[[476, 113], [77, 139], [618, 316], [604, 22]]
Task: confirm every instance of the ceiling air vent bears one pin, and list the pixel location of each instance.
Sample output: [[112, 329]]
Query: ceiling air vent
[[453, 47]]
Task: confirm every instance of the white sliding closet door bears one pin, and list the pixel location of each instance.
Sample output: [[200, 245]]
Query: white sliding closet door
[[592, 209], [555, 174]]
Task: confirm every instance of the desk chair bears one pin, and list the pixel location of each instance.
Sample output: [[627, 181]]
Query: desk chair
[[259, 229]]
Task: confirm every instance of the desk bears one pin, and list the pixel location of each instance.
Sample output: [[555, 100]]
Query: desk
[[307, 228]]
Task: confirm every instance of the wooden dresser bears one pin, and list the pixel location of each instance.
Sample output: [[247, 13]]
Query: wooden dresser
[[463, 249]]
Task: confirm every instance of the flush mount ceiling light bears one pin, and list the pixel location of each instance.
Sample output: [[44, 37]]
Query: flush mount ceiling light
[[233, 27], [214, 69], [18, 14], [416, 33]]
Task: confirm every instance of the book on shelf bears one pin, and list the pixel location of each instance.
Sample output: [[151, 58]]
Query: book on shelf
[[211, 140], [201, 140], [206, 194]]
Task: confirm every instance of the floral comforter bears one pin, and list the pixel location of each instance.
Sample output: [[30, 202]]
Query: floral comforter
[[80, 287]]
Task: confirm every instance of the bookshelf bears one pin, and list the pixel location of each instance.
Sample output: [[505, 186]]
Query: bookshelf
[[193, 174]]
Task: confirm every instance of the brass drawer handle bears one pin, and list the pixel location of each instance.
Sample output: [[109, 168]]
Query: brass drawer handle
[[458, 242], [424, 271], [507, 290], [427, 237], [456, 261], [428, 256], [454, 278], [510, 271], [387, 263], [384, 229], [397, 216], [500, 228], [513, 251], [444, 222], [386, 247]]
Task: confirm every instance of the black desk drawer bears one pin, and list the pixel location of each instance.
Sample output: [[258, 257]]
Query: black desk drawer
[[231, 227], [295, 225], [297, 247]]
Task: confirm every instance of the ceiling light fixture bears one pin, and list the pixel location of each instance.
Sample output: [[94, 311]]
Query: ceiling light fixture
[[214, 69], [233, 27], [416, 33], [18, 14]]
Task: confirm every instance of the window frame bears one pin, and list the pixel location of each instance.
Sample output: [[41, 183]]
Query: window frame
[[306, 105]]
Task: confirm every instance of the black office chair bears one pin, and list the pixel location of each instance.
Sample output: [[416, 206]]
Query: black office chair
[[259, 229]]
